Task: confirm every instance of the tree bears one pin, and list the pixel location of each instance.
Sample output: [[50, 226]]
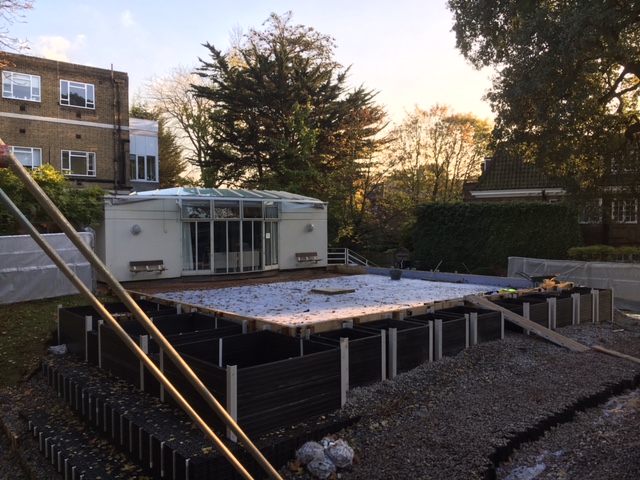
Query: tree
[[189, 118], [284, 118], [11, 11], [434, 152], [566, 85], [171, 164], [82, 207]]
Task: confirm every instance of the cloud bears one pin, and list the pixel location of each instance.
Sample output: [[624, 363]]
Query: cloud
[[127, 19], [58, 47]]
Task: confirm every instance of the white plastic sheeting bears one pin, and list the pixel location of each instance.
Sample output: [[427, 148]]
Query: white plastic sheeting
[[27, 273], [622, 278]]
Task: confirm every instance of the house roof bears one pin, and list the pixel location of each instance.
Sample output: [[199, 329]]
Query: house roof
[[508, 173], [223, 193]]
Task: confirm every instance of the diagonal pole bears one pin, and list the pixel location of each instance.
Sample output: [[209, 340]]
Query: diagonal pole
[[7, 159]]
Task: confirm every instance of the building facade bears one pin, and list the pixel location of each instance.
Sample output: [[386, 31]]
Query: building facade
[[73, 117]]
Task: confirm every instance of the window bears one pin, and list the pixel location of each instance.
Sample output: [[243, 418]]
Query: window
[[79, 163], [624, 211], [76, 94], [144, 168], [21, 86], [27, 156]]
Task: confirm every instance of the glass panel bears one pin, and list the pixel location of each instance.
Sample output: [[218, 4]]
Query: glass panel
[[140, 173], [234, 246], [64, 93], [77, 95], [203, 246], [251, 245], [196, 210], [252, 209], [78, 163], [151, 168], [270, 243], [227, 209], [220, 247], [270, 210], [188, 250], [132, 166]]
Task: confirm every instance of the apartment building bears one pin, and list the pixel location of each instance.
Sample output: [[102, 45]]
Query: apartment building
[[76, 118]]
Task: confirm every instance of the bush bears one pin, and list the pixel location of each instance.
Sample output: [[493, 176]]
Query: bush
[[604, 253], [472, 236]]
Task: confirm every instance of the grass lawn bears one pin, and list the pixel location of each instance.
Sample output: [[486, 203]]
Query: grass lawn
[[27, 329]]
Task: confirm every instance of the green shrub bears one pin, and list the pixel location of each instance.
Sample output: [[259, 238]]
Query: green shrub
[[604, 253], [472, 236]]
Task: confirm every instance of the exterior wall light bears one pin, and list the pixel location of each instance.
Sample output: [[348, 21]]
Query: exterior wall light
[[310, 227], [136, 229]]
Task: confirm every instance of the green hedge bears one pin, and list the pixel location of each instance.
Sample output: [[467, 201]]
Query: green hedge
[[480, 237], [605, 253]]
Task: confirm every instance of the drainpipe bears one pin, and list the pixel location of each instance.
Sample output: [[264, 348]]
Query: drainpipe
[[7, 159]]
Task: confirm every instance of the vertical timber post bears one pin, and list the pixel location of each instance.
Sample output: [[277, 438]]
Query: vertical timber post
[[232, 398], [344, 370]]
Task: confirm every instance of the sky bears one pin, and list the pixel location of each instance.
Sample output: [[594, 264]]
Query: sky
[[404, 50]]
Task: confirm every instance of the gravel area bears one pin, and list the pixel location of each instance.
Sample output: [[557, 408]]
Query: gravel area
[[540, 409], [454, 418]]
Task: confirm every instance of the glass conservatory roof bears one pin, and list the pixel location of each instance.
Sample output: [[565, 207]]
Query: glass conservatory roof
[[191, 192]]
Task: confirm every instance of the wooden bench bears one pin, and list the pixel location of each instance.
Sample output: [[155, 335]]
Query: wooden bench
[[147, 266], [307, 257]]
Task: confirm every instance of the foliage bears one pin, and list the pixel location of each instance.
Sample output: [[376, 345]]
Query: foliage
[[82, 207], [468, 236], [430, 155], [11, 11], [189, 119], [171, 164], [605, 253], [284, 119], [566, 85]]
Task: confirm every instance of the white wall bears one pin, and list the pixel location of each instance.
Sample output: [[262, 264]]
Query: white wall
[[159, 238], [295, 237]]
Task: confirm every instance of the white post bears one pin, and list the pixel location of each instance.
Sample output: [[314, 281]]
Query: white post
[[473, 328], [526, 313], [437, 340], [393, 352], [344, 370], [430, 341], [88, 320], [551, 302], [383, 353], [575, 319], [144, 345], [232, 398], [100, 323], [595, 309]]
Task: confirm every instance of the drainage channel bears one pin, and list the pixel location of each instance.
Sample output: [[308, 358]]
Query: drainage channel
[[537, 431]]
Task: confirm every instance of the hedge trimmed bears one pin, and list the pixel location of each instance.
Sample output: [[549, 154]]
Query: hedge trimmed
[[474, 237]]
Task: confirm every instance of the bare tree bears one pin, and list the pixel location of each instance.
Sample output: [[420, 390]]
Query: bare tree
[[435, 151], [12, 11], [188, 117]]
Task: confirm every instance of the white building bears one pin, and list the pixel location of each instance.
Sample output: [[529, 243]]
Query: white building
[[180, 232]]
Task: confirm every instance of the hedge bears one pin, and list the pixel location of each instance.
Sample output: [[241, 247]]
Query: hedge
[[480, 237]]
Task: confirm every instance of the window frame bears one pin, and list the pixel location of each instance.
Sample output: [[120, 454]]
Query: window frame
[[143, 168], [31, 150], [9, 93], [90, 157], [89, 91], [624, 211]]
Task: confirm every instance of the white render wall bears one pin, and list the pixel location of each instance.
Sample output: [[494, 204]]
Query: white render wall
[[160, 236]]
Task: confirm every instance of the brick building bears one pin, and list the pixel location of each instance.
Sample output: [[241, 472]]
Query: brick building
[[74, 117]]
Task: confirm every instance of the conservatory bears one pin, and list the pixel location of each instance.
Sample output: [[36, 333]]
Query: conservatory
[[180, 232]]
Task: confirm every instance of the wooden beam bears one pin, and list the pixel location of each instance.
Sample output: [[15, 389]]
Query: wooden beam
[[600, 349], [528, 324]]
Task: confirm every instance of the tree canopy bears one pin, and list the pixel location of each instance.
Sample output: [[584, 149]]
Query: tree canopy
[[11, 11], [567, 81], [82, 207], [283, 115]]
